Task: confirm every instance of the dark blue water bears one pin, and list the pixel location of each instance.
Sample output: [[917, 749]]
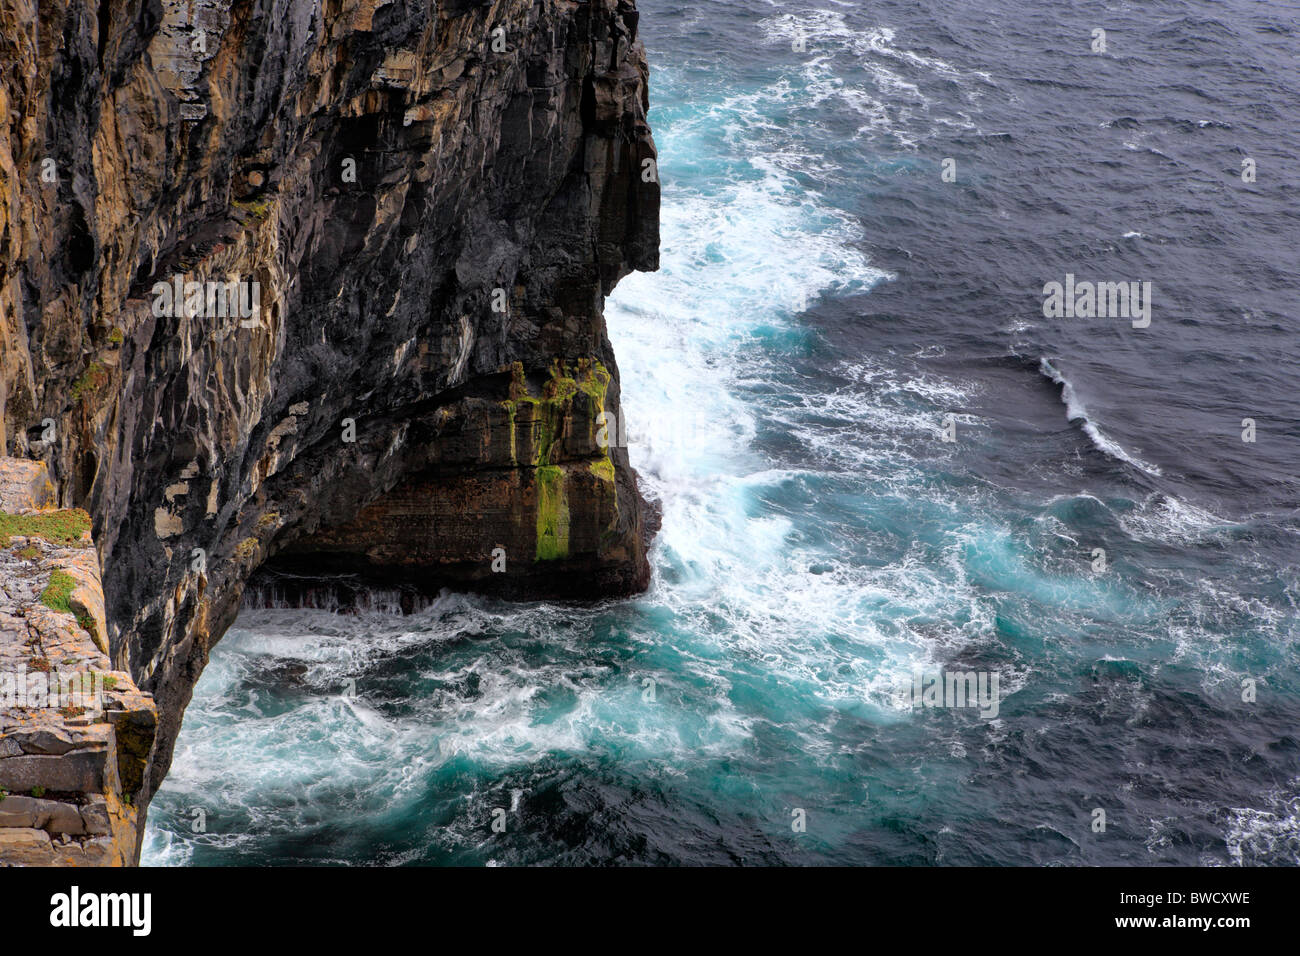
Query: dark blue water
[[827, 301]]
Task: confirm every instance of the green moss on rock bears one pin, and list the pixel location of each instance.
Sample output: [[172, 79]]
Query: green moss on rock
[[552, 514], [547, 415], [257, 208], [551, 408]]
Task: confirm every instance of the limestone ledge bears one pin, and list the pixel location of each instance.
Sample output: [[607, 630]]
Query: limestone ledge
[[75, 734]]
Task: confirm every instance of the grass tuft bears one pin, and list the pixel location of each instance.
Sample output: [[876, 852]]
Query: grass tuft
[[56, 593], [63, 527]]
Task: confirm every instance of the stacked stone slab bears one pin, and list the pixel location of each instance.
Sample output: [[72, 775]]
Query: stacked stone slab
[[72, 759]]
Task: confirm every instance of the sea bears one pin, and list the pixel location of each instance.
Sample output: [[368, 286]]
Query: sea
[[948, 573]]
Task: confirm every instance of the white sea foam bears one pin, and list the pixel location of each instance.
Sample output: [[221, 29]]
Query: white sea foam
[[1256, 836], [744, 255], [890, 99], [1168, 518], [1076, 412]]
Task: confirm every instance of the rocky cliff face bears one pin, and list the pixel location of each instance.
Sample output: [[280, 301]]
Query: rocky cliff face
[[322, 280]]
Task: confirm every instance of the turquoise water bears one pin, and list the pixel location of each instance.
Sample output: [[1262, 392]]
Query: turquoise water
[[821, 545]]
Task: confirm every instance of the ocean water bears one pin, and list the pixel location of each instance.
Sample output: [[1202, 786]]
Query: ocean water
[[827, 300]]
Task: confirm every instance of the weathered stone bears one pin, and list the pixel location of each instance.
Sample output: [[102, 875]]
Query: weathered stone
[[94, 816], [24, 485], [18, 811], [52, 816], [26, 848], [81, 771], [100, 851], [63, 709], [50, 733], [61, 818], [87, 598], [134, 731], [50, 740]]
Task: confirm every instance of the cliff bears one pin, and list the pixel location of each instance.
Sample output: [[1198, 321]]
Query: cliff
[[75, 735], [319, 285]]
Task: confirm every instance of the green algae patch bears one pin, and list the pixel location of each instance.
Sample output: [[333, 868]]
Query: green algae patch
[[552, 514], [259, 209], [595, 382], [58, 591], [550, 408], [63, 527], [572, 391], [550, 416]]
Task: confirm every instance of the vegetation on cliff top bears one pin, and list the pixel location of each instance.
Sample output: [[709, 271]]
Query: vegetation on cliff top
[[57, 596], [64, 527]]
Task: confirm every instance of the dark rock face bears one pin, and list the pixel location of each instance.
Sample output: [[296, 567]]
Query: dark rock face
[[433, 199], [522, 497]]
